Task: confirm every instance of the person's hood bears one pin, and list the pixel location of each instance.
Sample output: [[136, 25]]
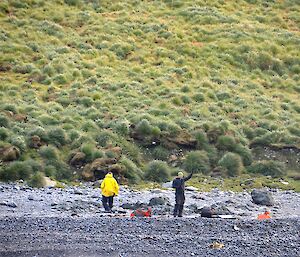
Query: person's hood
[[108, 175]]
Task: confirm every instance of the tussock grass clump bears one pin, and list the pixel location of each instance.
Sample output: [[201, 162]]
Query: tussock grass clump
[[131, 171], [91, 152], [227, 143], [49, 153], [20, 170], [57, 136], [157, 171], [202, 140], [232, 164], [244, 153], [18, 141], [199, 97], [197, 162], [104, 138], [10, 107], [268, 168], [16, 170], [3, 133], [160, 153], [4, 121], [37, 180]]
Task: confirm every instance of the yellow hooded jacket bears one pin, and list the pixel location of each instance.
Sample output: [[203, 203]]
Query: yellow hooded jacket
[[109, 186]]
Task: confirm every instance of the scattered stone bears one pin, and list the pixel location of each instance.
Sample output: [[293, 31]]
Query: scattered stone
[[191, 188], [30, 198], [156, 191], [78, 192], [216, 245], [262, 197], [236, 228], [199, 197], [9, 204], [194, 208]]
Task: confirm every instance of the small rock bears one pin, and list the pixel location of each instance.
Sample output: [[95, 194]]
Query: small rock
[[30, 198], [199, 197], [48, 182], [78, 192], [156, 191], [167, 185], [236, 228], [194, 208], [191, 188]]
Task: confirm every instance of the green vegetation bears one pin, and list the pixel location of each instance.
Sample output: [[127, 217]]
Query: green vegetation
[[157, 171], [232, 164], [197, 161], [197, 85]]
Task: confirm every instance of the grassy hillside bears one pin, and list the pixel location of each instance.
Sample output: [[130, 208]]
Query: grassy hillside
[[90, 85]]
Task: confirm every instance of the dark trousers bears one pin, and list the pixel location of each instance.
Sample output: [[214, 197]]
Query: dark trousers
[[178, 209], [179, 202], [107, 202]]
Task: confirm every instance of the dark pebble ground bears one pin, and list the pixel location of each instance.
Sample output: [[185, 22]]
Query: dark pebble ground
[[112, 236]]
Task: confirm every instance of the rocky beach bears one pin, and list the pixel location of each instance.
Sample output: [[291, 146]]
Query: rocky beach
[[71, 221]]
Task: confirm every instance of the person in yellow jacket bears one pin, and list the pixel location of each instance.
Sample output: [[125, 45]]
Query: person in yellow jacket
[[109, 188]]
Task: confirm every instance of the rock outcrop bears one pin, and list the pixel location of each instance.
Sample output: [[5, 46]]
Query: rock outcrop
[[9, 153], [77, 159]]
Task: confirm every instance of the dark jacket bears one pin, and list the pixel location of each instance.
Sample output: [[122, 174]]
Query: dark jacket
[[178, 184]]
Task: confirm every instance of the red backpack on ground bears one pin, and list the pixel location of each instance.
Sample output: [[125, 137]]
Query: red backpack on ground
[[141, 213]]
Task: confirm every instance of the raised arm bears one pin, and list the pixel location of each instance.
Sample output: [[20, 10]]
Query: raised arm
[[188, 177]]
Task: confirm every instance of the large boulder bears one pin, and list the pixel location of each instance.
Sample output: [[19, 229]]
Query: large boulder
[[9, 153], [158, 201], [87, 173], [262, 197], [103, 165]]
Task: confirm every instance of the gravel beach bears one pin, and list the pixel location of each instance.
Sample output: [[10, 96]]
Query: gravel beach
[[70, 222], [55, 236]]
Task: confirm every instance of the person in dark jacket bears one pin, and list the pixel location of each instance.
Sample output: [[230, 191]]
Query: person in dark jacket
[[178, 184]]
